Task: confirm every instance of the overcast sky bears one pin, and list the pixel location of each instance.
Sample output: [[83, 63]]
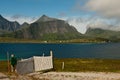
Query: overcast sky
[[79, 13]]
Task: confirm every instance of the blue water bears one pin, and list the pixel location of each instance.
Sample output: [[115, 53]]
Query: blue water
[[83, 50]]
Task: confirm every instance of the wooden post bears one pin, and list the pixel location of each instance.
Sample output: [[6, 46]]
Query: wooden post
[[63, 65], [51, 54], [43, 54], [8, 63]]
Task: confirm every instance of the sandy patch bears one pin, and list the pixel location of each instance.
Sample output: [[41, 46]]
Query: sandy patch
[[76, 76]]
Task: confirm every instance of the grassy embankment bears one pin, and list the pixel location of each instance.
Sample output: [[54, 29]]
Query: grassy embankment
[[15, 40], [78, 65]]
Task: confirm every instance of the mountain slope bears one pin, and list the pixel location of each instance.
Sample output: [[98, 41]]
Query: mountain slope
[[47, 28], [6, 25], [100, 33]]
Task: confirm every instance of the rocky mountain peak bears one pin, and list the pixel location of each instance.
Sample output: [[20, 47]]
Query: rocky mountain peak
[[45, 18], [8, 25], [25, 23]]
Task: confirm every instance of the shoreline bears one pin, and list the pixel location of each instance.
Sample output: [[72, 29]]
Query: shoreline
[[25, 42], [17, 40]]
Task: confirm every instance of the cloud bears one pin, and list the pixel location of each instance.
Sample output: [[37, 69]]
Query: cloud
[[104, 26], [105, 8], [104, 14], [21, 19], [83, 23], [79, 23], [16, 16]]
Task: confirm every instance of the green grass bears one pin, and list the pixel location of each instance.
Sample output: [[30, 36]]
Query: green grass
[[80, 65], [16, 40], [77, 65]]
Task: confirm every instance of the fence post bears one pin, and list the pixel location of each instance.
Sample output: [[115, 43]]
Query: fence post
[[51, 54], [8, 63], [63, 65]]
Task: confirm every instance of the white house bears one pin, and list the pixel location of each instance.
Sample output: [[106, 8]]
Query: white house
[[35, 63]]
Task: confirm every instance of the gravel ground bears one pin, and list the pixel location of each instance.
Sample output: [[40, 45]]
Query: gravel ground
[[4, 77], [63, 76], [76, 76], [14, 77]]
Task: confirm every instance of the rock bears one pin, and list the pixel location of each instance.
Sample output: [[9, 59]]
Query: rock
[[4, 77]]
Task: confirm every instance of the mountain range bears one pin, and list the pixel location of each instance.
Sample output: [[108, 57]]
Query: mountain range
[[47, 28]]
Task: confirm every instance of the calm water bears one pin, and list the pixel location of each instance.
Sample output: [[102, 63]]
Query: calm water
[[84, 50]]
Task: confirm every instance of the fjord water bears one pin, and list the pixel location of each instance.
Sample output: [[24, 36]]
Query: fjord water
[[76, 50]]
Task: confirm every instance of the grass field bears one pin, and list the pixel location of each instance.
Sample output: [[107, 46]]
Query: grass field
[[79, 65], [3, 66]]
